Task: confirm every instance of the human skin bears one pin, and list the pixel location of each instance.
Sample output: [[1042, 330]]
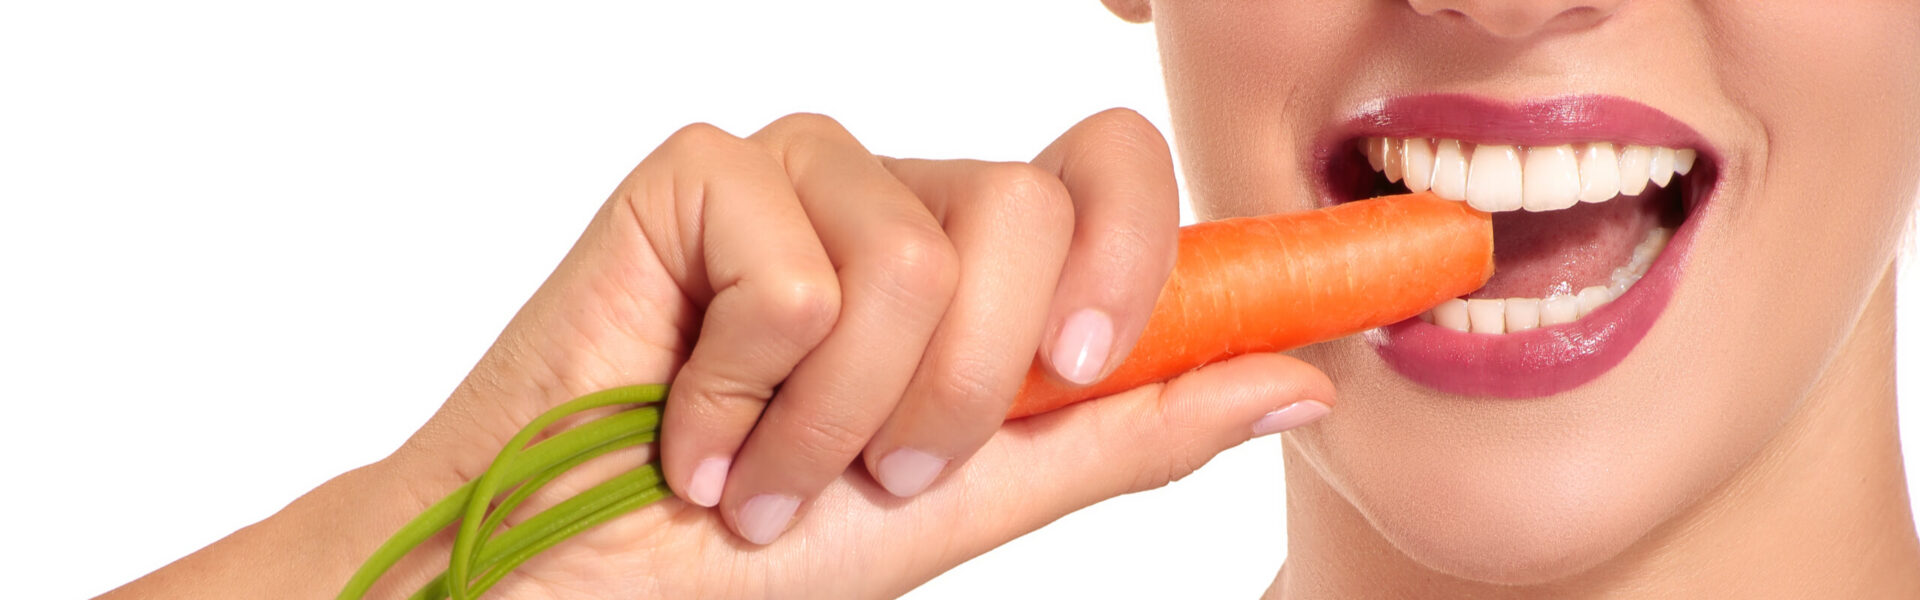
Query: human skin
[[1747, 447], [784, 260], [1720, 459]]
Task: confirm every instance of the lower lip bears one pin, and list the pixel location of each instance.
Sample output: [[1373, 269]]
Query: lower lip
[[1544, 361]]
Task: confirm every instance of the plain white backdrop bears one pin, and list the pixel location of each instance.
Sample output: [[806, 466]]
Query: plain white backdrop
[[244, 248]]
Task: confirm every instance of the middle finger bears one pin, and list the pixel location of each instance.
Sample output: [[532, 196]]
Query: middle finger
[[897, 273]]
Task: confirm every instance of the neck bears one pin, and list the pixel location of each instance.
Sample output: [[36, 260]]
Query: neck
[[1821, 511]]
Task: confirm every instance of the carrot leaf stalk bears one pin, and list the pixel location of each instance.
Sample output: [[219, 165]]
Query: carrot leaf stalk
[[538, 464]]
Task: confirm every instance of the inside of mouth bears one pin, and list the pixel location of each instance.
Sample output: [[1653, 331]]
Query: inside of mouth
[[1558, 253], [1543, 254]]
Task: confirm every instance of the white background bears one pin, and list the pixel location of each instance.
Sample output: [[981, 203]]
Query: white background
[[244, 248]]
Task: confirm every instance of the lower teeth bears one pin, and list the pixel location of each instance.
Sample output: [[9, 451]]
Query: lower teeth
[[1493, 315]]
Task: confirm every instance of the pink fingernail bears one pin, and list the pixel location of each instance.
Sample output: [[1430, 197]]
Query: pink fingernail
[[1289, 417], [708, 480], [1081, 351], [907, 471], [765, 516]]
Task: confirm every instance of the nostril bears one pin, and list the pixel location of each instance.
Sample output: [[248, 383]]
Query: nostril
[[1519, 18]]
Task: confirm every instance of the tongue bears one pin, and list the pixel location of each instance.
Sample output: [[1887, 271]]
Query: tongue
[[1537, 255]]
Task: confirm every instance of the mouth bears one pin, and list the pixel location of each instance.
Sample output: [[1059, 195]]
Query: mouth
[[1595, 201]]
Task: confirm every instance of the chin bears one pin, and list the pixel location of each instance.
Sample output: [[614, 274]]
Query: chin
[[1518, 493], [1510, 532]]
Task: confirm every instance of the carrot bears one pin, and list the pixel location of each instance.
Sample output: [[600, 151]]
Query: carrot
[[1278, 282], [1256, 284]]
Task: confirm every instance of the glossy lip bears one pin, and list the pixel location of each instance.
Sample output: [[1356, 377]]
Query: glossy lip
[[1547, 360]]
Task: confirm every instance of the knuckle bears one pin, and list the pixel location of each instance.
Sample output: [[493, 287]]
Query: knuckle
[[918, 263], [1012, 179], [1122, 136], [1126, 248], [1174, 469], [1124, 124], [1025, 194], [1187, 452], [808, 126], [698, 139], [710, 386], [1120, 117], [1185, 462], [967, 388], [806, 307], [825, 438], [1181, 445]]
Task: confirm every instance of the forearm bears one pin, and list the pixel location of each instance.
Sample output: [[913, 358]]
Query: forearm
[[307, 550]]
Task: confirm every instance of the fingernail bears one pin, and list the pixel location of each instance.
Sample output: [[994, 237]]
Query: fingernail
[[708, 479], [763, 517], [1289, 417], [1081, 351], [907, 471]]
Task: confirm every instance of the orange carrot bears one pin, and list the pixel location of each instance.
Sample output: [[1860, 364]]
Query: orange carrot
[[1278, 282]]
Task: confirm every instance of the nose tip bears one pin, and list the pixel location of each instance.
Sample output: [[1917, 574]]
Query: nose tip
[[1520, 18]]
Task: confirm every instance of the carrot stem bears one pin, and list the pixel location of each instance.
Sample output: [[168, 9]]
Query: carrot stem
[[503, 553], [537, 458], [526, 490], [460, 567]]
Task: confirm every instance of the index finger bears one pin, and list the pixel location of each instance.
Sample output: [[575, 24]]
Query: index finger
[[1119, 173]]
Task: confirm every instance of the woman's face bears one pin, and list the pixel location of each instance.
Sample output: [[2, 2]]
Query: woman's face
[[1533, 456]]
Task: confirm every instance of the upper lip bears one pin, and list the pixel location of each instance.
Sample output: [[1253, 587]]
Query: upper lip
[[1478, 119]]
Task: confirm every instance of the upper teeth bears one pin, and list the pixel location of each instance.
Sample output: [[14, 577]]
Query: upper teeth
[[1500, 177]]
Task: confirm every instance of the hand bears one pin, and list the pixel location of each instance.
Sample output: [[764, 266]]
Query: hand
[[816, 305]]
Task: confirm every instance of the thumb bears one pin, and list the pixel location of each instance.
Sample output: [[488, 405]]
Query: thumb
[[1150, 436]]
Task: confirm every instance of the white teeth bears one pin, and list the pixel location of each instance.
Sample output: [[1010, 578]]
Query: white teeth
[[1493, 178], [1559, 308], [1395, 162], [1634, 169], [1551, 179], [1451, 314], [1593, 297], [1621, 280], [1450, 170], [1660, 169], [1487, 315], [1522, 314], [1501, 177], [1417, 157], [1513, 315], [1599, 173]]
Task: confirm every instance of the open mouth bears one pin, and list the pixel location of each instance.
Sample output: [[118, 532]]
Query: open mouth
[[1575, 225], [1591, 197]]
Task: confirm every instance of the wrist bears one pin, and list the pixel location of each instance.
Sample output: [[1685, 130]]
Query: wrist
[[382, 498], [306, 550]]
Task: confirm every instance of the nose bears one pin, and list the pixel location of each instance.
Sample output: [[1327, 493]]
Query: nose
[[1521, 18]]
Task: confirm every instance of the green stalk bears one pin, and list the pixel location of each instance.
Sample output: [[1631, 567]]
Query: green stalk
[[460, 568], [526, 490], [536, 459], [501, 554], [623, 505]]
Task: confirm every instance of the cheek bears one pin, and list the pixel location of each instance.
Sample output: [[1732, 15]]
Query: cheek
[[1833, 89], [1246, 83]]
